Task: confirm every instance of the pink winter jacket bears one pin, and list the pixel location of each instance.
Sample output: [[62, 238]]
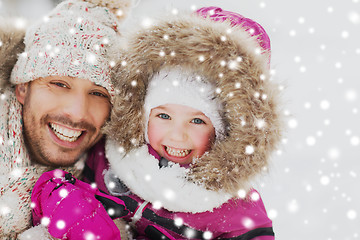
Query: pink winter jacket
[[236, 219], [72, 209]]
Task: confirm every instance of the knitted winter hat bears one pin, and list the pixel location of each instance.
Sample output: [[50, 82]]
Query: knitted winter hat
[[176, 86], [253, 28], [76, 39]]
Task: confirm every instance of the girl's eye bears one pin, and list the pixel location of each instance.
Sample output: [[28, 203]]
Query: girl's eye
[[197, 121], [164, 116]]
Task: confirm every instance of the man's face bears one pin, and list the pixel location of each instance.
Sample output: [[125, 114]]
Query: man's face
[[62, 117]]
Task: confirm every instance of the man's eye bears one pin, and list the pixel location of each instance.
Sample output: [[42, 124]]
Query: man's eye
[[59, 84], [163, 116], [197, 121]]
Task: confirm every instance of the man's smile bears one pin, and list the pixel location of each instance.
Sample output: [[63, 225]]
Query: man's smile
[[65, 133]]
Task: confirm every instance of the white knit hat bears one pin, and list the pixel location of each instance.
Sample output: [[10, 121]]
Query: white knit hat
[[76, 39], [177, 86]]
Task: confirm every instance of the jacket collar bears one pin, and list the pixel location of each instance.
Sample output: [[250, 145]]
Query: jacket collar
[[140, 172]]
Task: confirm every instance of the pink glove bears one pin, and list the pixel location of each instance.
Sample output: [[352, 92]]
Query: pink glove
[[72, 209]]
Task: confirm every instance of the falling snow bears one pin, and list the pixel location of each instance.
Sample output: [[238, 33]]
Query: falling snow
[[312, 186]]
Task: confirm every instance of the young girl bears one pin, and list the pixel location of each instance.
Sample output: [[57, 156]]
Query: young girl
[[195, 121]]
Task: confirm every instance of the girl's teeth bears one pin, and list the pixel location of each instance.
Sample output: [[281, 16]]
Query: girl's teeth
[[65, 134], [177, 153]]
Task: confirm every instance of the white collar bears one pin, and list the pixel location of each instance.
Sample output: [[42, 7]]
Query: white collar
[[166, 186]]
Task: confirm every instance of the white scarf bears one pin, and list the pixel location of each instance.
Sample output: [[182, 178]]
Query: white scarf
[[166, 187], [17, 173]]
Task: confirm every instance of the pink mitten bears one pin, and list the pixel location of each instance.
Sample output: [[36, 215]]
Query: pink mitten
[[72, 209]]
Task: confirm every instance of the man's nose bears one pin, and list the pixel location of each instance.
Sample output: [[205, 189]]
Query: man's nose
[[76, 107]]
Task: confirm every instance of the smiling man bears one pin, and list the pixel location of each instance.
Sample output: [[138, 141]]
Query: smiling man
[[55, 102], [62, 117]]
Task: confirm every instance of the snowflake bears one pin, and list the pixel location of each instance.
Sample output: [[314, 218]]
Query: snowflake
[[189, 233], [207, 235], [4, 210], [242, 193], [63, 193], [351, 214], [249, 150], [293, 123], [46, 19], [91, 58], [255, 196], [272, 213], [111, 185], [89, 236], [147, 177], [355, 141], [60, 224], [111, 212], [248, 222], [169, 194], [324, 104], [293, 206], [45, 221], [345, 34], [105, 41], [351, 95], [260, 123], [119, 12], [325, 180], [178, 222], [157, 204], [20, 23], [17, 172], [330, 9], [334, 153], [310, 140], [174, 11]]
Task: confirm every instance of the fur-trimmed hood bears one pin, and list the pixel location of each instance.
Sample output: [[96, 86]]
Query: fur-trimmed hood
[[228, 60], [11, 44]]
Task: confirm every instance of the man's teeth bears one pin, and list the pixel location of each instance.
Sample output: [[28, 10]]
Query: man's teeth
[[65, 134], [176, 152]]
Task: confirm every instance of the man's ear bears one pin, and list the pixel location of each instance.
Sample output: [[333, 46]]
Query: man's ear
[[20, 91]]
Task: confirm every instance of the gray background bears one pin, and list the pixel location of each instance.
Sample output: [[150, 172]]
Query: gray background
[[312, 189]]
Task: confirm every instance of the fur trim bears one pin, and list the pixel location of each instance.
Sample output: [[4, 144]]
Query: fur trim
[[11, 44], [228, 59], [38, 232], [167, 185], [120, 8]]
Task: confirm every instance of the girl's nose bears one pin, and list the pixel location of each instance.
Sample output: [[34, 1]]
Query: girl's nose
[[178, 133]]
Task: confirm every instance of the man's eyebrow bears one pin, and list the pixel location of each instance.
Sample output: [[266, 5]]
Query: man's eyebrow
[[97, 85]]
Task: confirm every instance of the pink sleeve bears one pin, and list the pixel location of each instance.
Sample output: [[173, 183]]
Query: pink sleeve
[[249, 219]]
